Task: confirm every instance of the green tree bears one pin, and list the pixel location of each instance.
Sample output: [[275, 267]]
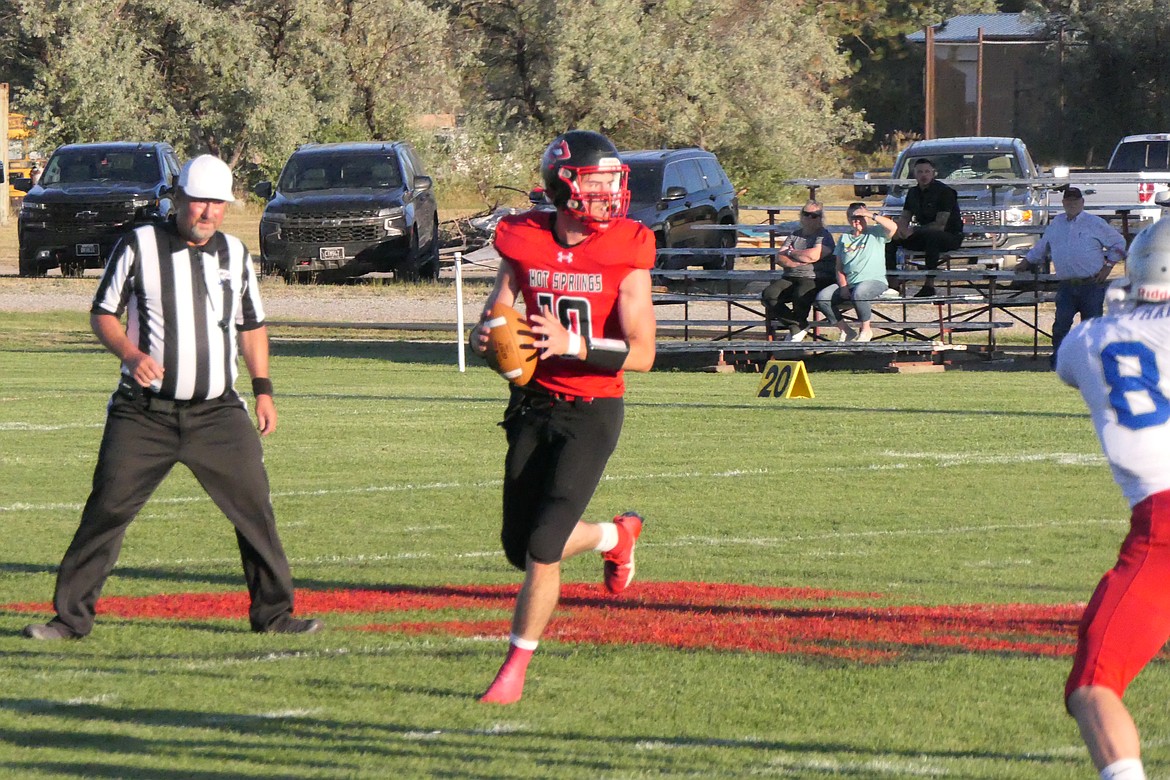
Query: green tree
[[247, 80], [395, 54], [669, 73], [887, 73], [241, 80], [1116, 57]]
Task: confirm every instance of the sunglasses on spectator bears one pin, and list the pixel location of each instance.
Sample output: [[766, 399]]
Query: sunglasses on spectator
[[810, 214]]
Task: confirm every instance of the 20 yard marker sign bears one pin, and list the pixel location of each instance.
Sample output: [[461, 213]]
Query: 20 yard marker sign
[[784, 379]]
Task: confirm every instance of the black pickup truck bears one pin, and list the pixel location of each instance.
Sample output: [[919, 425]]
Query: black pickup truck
[[343, 210], [87, 197]]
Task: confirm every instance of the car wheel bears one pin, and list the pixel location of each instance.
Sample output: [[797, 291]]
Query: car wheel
[[410, 267], [429, 268], [29, 267], [727, 240], [300, 277]]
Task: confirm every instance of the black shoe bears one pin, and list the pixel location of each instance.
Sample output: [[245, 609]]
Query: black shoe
[[48, 632], [925, 292], [296, 626]]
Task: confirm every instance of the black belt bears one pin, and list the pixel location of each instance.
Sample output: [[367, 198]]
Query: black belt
[[131, 390], [541, 394]]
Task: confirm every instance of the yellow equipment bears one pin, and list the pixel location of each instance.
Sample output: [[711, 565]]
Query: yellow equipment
[[22, 151]]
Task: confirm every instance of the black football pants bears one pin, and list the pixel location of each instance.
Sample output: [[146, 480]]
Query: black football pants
[[931, 243], [557, 451], [142, 441]]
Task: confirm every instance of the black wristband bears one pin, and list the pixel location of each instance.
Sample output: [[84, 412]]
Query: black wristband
[[262, 386], [610, 355]]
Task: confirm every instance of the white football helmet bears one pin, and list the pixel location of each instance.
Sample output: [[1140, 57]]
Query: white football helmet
[[1117, 300], [1147, 267]]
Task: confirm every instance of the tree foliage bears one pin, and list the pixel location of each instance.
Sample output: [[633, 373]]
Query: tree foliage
[[778, 90], [250, 79], [668, 73], [247, 80], [1116, 57], [887, 73]]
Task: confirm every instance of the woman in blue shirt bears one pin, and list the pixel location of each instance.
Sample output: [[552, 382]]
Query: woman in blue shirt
[[861, 271]]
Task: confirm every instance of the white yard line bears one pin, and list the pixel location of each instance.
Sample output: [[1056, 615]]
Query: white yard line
[[23, 426], [772, 541], [891, 767], [22, 506], [918, 460]]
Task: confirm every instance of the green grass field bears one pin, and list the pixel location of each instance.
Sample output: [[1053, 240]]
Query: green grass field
[[886, 501]]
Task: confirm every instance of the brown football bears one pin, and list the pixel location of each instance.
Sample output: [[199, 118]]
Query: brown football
[[510, 350]]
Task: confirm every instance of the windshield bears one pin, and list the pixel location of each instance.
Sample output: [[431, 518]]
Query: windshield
[[1141, 156], [102, 165], [977, 165], [645, 182], [324, 171]]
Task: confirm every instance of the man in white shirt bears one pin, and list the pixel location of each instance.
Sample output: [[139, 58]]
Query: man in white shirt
[[1120, 363], [1084, 249]]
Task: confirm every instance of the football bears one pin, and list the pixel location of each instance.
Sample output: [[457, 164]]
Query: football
[[510, 350]]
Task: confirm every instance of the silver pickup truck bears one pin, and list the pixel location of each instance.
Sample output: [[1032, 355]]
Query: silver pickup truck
[[972, 165], [1142, 159]]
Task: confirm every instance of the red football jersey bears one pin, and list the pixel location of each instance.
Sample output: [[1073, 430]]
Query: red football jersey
[[580, 283]]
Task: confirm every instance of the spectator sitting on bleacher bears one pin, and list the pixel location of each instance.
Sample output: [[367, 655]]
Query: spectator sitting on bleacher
[[934, 207], [861, 271], [807, 258]]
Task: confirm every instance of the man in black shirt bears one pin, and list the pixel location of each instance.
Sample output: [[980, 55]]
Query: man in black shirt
[[190, 297], [929, 223]]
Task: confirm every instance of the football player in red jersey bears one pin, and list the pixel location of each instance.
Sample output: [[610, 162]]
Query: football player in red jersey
[[583, 273]]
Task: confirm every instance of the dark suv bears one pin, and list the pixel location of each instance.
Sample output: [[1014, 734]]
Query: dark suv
[[674, 190], [347, 209], [87, 196]]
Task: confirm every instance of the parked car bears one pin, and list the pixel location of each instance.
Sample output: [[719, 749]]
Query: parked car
[[347, 209], [973, 159], [674, 190], [86, 198], [1144, 158]]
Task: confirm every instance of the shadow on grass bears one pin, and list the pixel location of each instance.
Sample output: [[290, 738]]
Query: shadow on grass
[[327, 744], [160, 574]]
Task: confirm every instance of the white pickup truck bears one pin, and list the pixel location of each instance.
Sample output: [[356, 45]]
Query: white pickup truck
[[1143, 161]]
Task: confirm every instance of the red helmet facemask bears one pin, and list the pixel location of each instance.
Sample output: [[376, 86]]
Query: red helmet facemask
[[583, 205]]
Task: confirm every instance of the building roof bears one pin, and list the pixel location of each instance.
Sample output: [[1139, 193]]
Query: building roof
[[996, 27]]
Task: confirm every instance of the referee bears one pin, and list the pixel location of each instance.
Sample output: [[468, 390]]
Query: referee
[[188, 292]]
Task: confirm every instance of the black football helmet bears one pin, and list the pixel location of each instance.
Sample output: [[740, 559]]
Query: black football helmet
[[574, 154]]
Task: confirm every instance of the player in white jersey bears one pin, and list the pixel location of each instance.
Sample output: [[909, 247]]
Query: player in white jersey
[[1121, 365]]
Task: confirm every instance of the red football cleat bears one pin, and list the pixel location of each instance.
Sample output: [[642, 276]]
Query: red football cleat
[[619, 562], [508, 686]]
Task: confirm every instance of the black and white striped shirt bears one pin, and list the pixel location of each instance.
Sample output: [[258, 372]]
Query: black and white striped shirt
[[183, 306]]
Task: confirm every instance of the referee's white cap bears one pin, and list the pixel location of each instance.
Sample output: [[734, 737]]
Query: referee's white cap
[[207, 177]]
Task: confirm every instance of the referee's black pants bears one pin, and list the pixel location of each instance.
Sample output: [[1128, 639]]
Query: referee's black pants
[[143, 439]]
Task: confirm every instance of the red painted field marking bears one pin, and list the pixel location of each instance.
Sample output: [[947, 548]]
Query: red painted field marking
[[716, 616]]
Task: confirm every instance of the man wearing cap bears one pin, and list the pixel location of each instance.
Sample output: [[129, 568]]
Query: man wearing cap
[[1084, 248], [188, 293]]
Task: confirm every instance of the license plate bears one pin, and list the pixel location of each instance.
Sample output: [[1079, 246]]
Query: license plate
[[332, 253], [86, 249]]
